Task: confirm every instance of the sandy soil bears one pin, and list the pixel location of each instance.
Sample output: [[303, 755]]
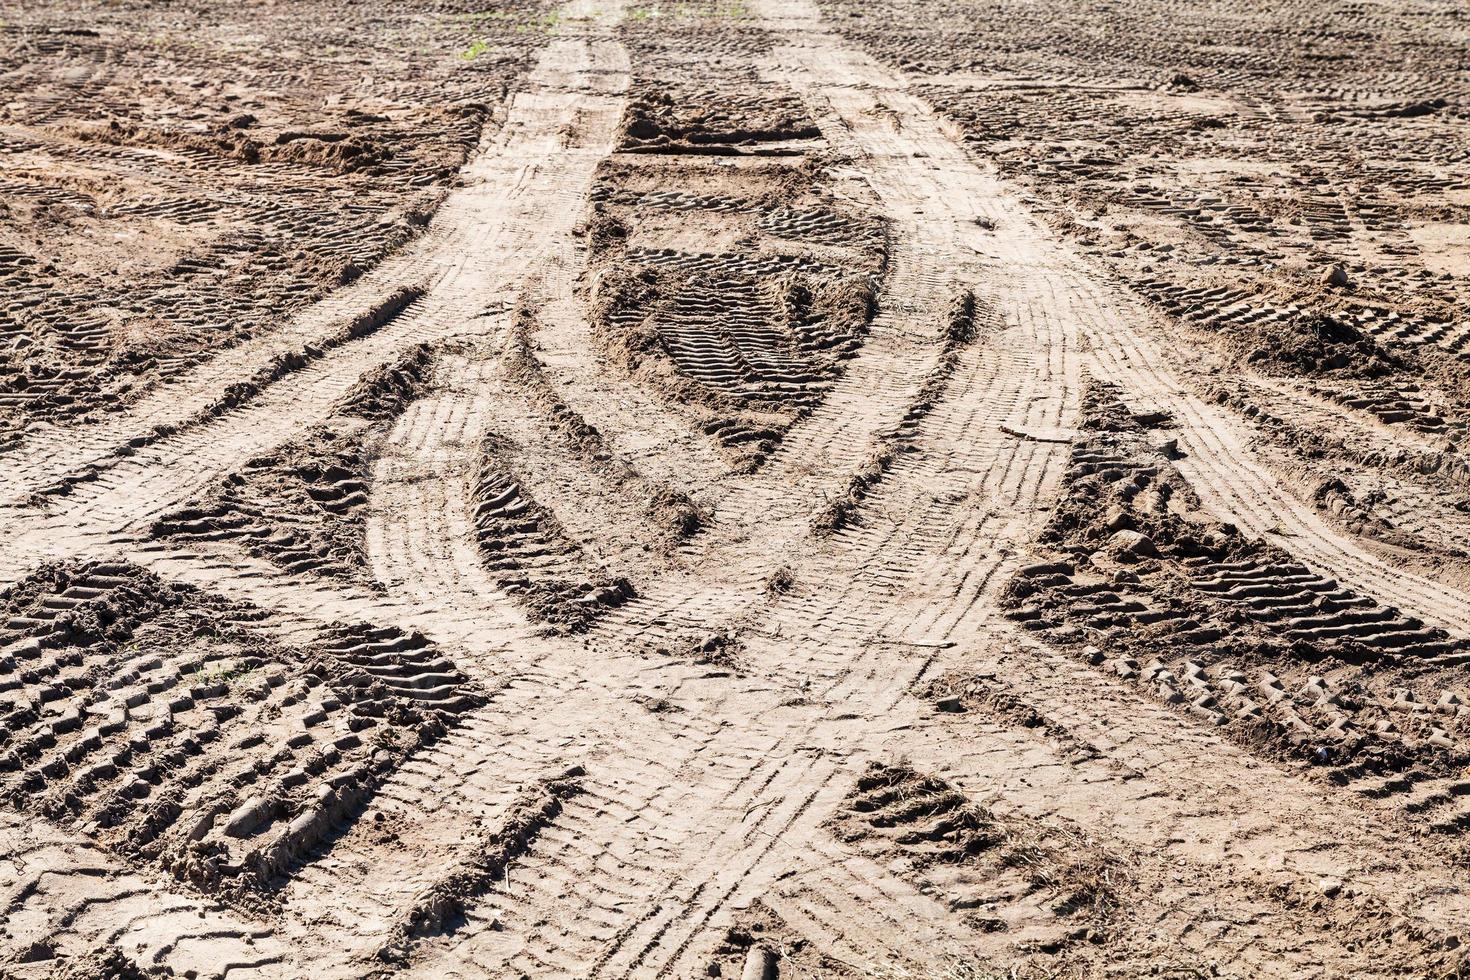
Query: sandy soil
[[766, 489]]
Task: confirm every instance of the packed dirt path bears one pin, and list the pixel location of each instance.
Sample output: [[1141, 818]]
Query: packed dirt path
[[742, 531]]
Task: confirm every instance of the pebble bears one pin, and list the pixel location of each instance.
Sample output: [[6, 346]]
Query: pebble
[[1132, 543]]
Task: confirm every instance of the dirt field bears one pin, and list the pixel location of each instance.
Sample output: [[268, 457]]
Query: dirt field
[[769, 489]]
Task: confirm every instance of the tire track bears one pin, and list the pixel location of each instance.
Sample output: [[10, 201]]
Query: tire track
[[650, 438], [1157, 793], [705, 790], [523, 187], [1221, 465], [1237, 485], [765, 520], [420, 536], [64, 897]]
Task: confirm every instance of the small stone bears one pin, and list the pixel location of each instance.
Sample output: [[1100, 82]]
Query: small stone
[[1132, 544], [1335, 275], [953, 705], [1331, 887]]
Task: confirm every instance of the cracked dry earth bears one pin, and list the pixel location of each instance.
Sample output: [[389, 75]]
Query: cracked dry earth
[[790, 488]]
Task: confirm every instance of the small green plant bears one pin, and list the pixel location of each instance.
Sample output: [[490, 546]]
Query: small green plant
[[541, 23], [475, 50], [229, 676]]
